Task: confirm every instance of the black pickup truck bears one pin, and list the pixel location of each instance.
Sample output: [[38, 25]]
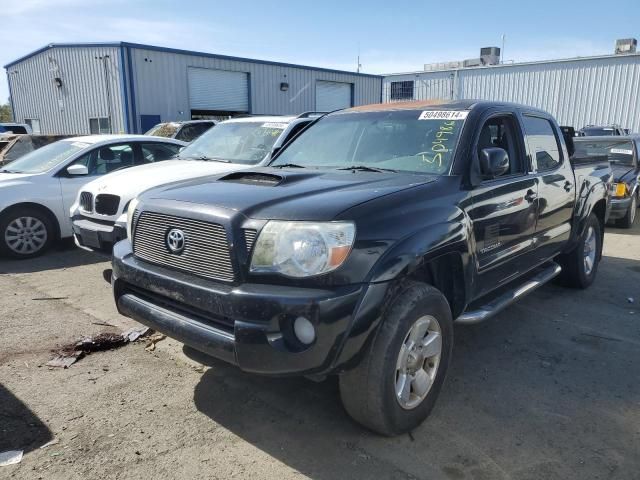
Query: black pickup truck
[[363, 243]]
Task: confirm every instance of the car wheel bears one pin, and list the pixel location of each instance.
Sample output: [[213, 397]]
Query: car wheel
[[25, 233], [395, 386], [630, 217], [579, 267]]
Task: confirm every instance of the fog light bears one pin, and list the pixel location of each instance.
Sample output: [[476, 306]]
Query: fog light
[[304, 330]]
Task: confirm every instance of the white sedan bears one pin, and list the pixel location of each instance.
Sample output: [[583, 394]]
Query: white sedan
[[37, 190]]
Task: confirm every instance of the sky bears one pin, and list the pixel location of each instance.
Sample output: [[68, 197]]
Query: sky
[[391, 36]]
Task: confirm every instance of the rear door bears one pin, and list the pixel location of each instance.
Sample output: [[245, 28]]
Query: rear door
[[504, 209], [556, 192]]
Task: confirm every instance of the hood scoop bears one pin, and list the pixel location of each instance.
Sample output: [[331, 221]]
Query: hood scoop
[[253, 178]]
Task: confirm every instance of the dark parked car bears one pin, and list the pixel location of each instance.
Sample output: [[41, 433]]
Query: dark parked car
[[186, 131], [602, 131], [622, 153], [367, 238]]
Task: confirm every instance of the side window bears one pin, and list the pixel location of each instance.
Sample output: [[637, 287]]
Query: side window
[[107, 159], [500, 132], [543, 142], [191, 132], [156, 152]]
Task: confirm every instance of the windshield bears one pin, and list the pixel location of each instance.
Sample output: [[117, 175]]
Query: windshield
[[237, 142], [45, 158], [403, 140], [618, 152], [167, 130], [598, 132]]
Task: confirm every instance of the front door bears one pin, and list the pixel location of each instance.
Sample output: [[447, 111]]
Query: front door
[[504, 209]]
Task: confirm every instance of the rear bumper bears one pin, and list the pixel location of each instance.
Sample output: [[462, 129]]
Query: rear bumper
[[619, 208], [248, 325], [96, 236]]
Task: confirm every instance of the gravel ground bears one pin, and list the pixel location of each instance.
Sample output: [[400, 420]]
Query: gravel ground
[[548, 389]]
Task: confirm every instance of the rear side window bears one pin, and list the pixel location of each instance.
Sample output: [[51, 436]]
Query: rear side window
[[156, 152], [543, 142]]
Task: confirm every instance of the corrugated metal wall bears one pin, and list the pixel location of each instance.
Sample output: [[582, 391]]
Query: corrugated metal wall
[[161, 87], [83, 95], [577, 92]]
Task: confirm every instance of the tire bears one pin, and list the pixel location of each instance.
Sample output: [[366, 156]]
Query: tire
[[25, 233], [368, 391], [575, 273], [630, 217]]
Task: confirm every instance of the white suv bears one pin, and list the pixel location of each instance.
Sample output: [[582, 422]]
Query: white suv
[[231, 145]]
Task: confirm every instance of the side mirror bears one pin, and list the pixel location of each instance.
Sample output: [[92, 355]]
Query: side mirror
[[493, 162], [77, 170]]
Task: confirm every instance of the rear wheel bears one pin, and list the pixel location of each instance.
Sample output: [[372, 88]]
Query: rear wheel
[[25, 233], [395, 386], [579, 267]]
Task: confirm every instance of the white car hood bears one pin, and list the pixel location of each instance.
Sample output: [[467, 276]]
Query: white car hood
[[129, 182]]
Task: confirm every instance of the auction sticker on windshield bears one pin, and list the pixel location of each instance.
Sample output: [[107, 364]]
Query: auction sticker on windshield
[[443, 115], [622, 151], [282, 126]]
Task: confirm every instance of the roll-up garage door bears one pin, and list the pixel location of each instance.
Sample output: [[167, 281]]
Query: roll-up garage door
[[332, 96], [221, 90]]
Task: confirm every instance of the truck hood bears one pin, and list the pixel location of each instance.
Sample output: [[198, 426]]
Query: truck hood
[[623, 173], [129, 182], [272, 193]]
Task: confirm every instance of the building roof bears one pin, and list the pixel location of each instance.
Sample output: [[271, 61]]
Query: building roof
[[518, 64], [182, 52]]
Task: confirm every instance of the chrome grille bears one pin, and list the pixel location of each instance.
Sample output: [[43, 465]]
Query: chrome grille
[[206, 249], [86, 201], [249, 238]]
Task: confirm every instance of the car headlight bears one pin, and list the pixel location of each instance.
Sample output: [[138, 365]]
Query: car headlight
[[620, 189], [302, 249], [133, 204]]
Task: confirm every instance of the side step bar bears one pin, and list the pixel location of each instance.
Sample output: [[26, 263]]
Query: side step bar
[[507, 298]]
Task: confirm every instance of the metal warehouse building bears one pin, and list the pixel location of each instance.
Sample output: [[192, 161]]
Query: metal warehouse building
[[578, 91], [125, 87]]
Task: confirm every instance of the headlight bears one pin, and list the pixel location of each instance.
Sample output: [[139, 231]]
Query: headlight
[[133, 204], [620, 189], [302, 249]]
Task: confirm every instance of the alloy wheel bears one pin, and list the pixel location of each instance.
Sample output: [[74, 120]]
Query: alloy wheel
[[25, 235]]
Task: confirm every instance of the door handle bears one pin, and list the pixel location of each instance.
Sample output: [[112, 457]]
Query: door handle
[[567, 186], [530, 196]]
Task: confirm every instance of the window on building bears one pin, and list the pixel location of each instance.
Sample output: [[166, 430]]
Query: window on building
[[402, 90], [543, 142], [34, 123], [99, 125]]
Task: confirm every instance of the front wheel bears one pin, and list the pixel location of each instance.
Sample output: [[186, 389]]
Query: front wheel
[[25, 233], [579, 267], [630, 217], [395, 386]]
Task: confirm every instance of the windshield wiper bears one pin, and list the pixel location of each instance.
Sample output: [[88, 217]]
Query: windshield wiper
[[205, 158], [365, 168], [288, 165]]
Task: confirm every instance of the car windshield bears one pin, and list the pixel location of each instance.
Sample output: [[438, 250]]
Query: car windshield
[[45, 158], [402, 140], [618, 152], [237, 142], [167, 130], [598, 131]]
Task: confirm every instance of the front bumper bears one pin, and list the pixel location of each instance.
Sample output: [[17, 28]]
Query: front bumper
[[248, 325], [619, 208], [92, 235]]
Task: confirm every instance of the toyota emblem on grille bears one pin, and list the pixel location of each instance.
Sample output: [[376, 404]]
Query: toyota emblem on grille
[[175, 240]]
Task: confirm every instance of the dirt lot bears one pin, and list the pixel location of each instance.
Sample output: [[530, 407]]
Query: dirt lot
[[548, 389]]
